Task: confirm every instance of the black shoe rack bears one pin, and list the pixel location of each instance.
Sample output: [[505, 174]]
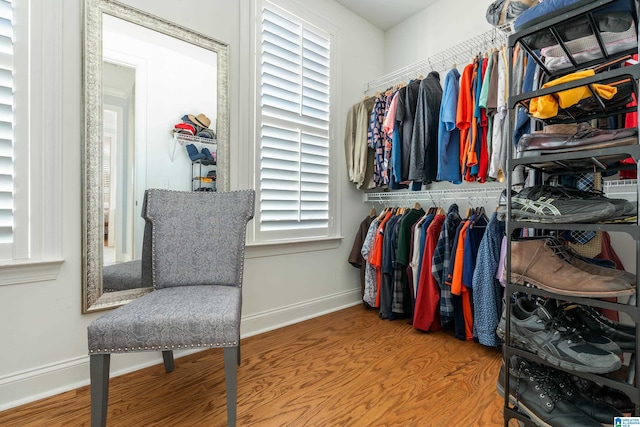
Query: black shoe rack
[[571, 163]]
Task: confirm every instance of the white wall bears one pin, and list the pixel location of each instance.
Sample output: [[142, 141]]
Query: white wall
[[440, 26], [43, 332]]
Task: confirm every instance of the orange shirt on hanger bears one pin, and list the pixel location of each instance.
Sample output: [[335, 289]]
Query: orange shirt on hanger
[[464, 112]]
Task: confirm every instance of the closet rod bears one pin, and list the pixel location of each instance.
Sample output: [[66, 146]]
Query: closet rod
[[483, 191], [429, 195], [441, 62]]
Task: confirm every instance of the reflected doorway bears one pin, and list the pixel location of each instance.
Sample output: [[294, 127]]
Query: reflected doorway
[[118, 158]]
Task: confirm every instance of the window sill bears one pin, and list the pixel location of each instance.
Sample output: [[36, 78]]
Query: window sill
[[29, 271], [286, 247]]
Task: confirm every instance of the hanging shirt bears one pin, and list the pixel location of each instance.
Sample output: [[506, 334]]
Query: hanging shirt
[[487, 291], [427, 312], [408, 116], [375, 256], [448, 133], [415, 255], [464, 113], [441, 260], [388, 267], [356, 144], [483, 123], [423, 238], [475, 232], [457, 288], [496, 164], [412, 268], [355, 256], [397, 138], [349, 141], [377, 138], [471, 161], [424, 141], [370, 286], [402, 301]]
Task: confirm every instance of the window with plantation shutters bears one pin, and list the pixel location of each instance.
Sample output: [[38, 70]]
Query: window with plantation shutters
[[31, 98], [6, 122], [294, 131]]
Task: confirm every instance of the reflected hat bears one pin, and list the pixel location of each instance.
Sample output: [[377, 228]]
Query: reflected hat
[[200, 120]]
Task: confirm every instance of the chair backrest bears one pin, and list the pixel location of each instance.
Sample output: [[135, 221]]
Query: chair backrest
[[146, 279], [198, 238]]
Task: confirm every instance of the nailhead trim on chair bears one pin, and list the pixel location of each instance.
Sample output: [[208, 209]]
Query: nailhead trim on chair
[[166, 347], [244, 238]]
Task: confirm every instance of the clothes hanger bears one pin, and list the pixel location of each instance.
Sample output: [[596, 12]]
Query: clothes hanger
[[416, 205], [469, 213], [372, 212]]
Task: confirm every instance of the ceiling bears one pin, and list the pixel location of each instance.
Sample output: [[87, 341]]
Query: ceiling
[[384, 14]]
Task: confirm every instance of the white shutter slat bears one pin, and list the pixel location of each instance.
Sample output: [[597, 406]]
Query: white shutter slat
[[321, 41], [294, 118], [6, 122]]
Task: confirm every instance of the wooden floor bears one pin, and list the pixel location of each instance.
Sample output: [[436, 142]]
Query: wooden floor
[[347, 368]]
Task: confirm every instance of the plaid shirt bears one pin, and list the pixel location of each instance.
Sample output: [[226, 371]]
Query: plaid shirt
[[441, 259]]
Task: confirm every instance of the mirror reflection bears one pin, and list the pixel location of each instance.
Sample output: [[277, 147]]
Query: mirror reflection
[[171, 79], [155, 117]]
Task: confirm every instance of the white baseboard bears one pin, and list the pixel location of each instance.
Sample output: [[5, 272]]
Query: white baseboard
[[269, 320], [38, 383]]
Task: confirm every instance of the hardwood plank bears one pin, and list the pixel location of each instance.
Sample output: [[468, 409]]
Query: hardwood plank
[[347, 368]]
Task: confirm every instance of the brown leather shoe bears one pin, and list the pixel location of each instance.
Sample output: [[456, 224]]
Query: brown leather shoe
[[577, 261], [535, 262]]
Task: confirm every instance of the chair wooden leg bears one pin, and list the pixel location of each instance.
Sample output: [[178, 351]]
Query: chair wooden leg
[[231, 357], [167, 356], [99, 377]]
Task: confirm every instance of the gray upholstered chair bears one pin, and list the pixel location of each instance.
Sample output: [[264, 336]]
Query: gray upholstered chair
[[197, 258]]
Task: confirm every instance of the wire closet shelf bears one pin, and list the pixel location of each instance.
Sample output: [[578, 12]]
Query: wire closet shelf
[[440, 62], [478, 194]]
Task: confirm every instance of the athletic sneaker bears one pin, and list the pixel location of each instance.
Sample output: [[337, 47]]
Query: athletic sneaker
[[623, 335], [556, 342], [550, 204], [526, 305]]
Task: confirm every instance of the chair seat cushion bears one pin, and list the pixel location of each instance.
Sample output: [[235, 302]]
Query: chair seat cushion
[[170, 318], [122, 276]]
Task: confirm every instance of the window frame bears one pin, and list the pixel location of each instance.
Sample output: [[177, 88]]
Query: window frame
[[266, 239], [38, 116]]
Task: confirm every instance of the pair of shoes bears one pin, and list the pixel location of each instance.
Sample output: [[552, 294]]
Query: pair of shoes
[[205, 157], [535, 393], [540, 330], [563, 314], [580, 262], [211, 158], [194, 154], [623, 335], [535, 262], [602, 393], [557, 204]]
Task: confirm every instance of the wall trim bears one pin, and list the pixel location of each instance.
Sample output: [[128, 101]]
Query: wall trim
[[30, 385], [269, 320]]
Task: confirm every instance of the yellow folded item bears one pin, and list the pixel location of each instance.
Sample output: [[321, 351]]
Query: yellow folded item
[[546, 106]]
